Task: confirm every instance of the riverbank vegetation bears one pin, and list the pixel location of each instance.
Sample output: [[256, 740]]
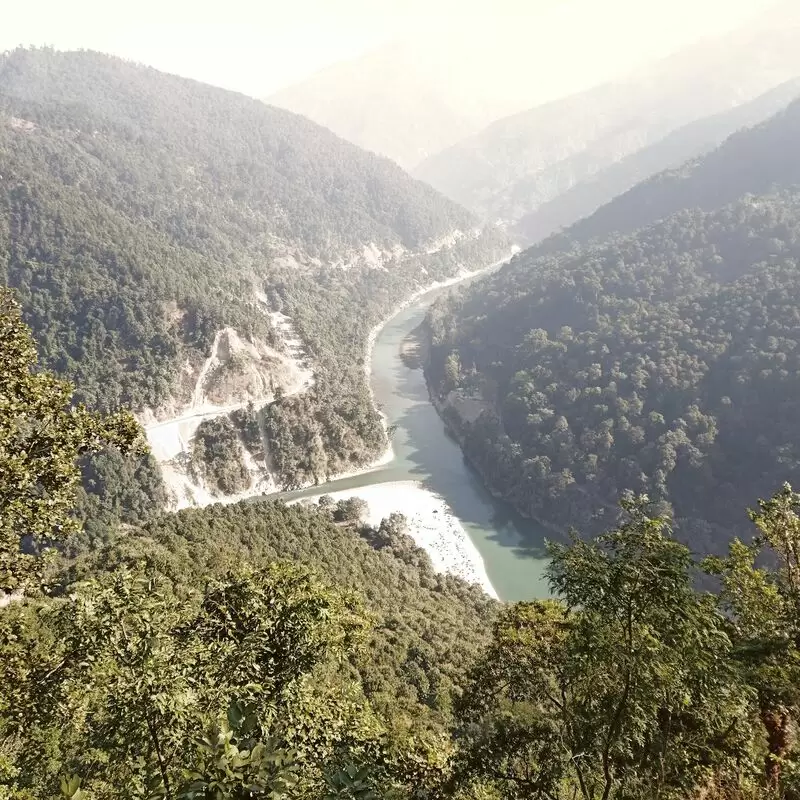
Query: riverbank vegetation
[[663, 360], [334, 427], [260, 650]]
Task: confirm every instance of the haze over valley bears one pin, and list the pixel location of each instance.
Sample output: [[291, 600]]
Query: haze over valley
[[400, 400]]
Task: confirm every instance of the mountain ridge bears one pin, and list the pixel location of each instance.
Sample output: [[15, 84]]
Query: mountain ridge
[[690, 141], [71, 120], [516, 164]]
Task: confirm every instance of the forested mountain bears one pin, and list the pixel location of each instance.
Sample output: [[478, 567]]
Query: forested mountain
[[429, 625], [127, 191], [754, 160], [662, 361], [157, 234], [260, 651], [141, 214], [517, 164], [691, 141]]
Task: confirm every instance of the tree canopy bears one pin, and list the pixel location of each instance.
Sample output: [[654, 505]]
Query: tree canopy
[[663, 362], [42, 434]]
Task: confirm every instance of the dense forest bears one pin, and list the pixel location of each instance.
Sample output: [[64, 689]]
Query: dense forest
[[140, 213], [291, 653], [661, 361]]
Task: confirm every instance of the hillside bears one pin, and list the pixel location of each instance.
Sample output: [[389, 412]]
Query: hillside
[[285, 652], [517, 164], [689, 142], [660, 361], [143, 215], [394, 101], [752, 160], [406, 666]]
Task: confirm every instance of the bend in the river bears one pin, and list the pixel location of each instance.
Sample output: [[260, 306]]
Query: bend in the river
[[511, 547]]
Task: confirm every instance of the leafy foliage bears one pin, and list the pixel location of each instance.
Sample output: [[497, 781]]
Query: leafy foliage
[[137, 673], [428, 626], [762, 604], [218, 456], [618, 690], [189, 660], [41, 436]]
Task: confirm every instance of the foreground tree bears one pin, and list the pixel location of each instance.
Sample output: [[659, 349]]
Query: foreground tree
[[763, 605], [624, 689], [127, 690], [42, 434]]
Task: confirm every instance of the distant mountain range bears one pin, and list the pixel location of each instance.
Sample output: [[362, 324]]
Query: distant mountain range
[[442, 82], [752, 161], [673, 150], [399, 100], [518, 164]]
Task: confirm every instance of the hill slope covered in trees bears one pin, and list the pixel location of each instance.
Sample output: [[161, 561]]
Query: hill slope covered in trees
[[674, 150], [661, 361], [141, 214], [139, 207], [754, 160]]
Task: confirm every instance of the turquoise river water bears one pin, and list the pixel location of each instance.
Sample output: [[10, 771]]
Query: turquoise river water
[[511, 547]]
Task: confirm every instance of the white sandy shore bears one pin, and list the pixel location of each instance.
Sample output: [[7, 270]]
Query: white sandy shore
[[431, 523]]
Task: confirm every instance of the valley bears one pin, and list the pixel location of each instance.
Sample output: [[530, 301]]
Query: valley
[[465, 475], [421, 474], [466, 531]]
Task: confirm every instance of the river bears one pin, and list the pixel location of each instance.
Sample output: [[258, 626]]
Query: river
[[511, 547]]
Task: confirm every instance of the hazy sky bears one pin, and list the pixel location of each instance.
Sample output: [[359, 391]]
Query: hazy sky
[[257, 47]]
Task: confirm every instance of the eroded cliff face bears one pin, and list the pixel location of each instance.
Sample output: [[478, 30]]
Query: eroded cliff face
[[224, 393], [241, 371]]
